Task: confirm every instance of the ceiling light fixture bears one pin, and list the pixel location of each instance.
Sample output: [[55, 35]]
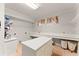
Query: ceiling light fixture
[[32, 5]]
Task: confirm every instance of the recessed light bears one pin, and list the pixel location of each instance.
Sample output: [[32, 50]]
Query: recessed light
[[32, 5]]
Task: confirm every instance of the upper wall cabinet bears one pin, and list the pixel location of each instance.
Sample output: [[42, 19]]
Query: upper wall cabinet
[[53, 19]]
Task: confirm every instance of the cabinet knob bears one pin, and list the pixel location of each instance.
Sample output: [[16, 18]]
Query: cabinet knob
[[14, 33], [25, 32]]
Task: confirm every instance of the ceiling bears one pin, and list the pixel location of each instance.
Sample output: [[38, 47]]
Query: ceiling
[[45, 10]]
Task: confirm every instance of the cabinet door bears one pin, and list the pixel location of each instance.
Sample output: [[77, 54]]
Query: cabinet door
[[45, 50], [10, 48]]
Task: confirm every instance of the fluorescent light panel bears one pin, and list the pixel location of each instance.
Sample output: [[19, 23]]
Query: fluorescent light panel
[[32, 5]]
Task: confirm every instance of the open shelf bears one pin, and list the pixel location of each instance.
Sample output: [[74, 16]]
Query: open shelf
[[63, 47], [58, 51]]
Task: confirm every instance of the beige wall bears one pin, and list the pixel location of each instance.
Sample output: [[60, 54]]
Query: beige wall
[[64, 25]]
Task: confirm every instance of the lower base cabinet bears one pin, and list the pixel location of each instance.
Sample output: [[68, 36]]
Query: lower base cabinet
[[10, 48]]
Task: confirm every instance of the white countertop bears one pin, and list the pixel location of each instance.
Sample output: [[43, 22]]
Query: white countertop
[[10, 39], [61, 36], [36, 43], [67, 38]]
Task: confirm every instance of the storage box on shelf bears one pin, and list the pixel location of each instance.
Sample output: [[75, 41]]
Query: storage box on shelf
[[66, 47]]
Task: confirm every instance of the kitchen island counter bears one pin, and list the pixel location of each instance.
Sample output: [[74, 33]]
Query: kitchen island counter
[[37, 42], [39, 46]]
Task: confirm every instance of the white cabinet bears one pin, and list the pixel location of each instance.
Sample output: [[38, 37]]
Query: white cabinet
[[10, 47]]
